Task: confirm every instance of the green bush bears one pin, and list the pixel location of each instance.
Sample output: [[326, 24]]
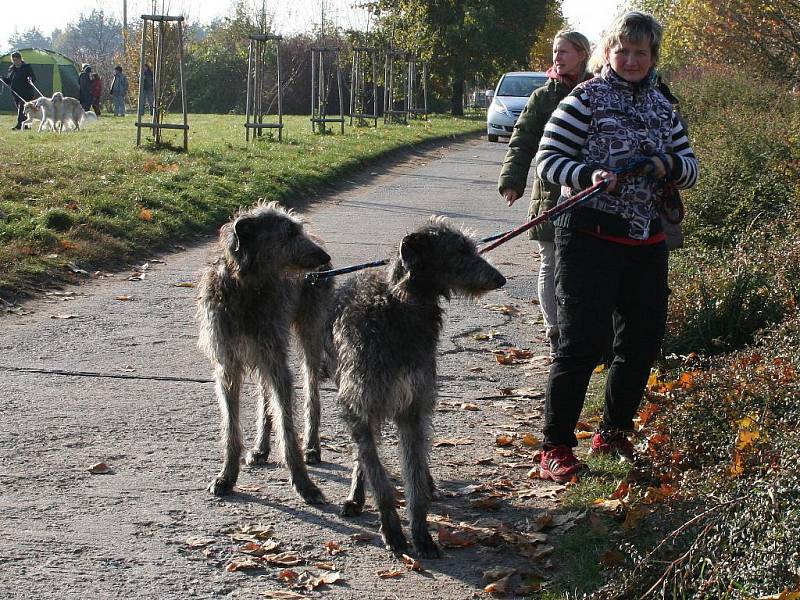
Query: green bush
[[740, 271]]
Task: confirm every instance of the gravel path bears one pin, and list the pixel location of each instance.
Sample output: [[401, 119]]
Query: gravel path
[[67, 533]]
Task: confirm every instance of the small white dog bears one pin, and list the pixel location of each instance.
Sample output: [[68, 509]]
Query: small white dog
[[33, 113], [62, 111]]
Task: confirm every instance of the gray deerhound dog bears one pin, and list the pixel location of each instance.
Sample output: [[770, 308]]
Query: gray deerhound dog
[[249, 300], [385, 332]]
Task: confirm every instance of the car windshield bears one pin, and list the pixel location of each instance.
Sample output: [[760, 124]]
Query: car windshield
[[520, 85]]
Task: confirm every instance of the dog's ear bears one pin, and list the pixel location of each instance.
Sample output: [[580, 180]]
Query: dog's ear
[[242, 231], [411, 250]]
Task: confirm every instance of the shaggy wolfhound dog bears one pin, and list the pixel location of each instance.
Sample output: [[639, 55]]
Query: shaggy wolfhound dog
[[249, 300]]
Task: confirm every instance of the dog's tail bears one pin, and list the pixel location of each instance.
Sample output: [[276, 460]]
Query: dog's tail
[[87, 118]]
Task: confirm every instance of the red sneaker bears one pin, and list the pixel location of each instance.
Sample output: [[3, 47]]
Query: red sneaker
[[612, 443], [559, 464]]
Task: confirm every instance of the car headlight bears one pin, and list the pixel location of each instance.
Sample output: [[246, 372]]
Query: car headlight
[[502, 108]]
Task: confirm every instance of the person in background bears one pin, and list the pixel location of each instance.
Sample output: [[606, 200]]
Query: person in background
[[571, 51], [146, 91], [97, 92], [611, 256], [119, 87], [20, 78], [85, 87]]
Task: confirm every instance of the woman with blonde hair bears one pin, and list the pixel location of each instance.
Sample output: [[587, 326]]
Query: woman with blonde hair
[[611, 256], [570, 54]]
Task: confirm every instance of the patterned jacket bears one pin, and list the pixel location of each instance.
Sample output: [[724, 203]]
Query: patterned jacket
[[605, 123]]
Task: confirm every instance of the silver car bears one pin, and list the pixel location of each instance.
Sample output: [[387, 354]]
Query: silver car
[[509, 98]]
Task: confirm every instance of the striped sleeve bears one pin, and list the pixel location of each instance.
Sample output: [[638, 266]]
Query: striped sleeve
[[684, 166], [562, 141]]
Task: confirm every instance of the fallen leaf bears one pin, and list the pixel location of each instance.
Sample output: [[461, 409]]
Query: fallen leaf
[[281, 595], [146, 214], [583, 426], [505, 309], [520, 354], [499, 587], [583, 435], [100, 468], [325, 566], [411, 563], [504, 359], [362, 537], [469, 406], [199, 541], [243, 564], [504, 439], [248, 532], [123, 298], [257, 549], [284, 559], [333, 548], [287, 575], [63, 316], [325, 579], [390, 573], [453, 442], [530, 440], [184, 284], [456, 538]]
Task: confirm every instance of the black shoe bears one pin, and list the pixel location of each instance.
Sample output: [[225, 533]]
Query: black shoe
[[17, 127]]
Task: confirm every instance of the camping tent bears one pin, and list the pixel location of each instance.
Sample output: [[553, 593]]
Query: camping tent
[[54, 73]]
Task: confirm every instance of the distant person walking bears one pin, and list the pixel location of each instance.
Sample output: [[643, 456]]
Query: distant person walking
[[97, 93], [571, 52], [85, 87], [146, 95], [119, 87], [19, 78]]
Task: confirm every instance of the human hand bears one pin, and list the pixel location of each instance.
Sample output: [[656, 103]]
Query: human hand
[[601, 174], [510, 195]]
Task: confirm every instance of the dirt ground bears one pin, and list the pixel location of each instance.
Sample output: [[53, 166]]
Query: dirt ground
[[149, 529]]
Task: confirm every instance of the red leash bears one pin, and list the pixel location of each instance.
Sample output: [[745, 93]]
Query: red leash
[[547, 215]]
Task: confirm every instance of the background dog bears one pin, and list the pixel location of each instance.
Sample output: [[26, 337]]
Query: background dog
[[61, 111], [249, 300], [385, 331]]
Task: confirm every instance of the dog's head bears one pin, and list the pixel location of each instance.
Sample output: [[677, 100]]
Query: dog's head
[[439, 260], [268, 239]]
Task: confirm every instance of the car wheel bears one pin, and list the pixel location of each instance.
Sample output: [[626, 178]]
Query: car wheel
[[492, 137]]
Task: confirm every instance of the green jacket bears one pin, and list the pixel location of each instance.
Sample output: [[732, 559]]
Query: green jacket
[[522, 149]]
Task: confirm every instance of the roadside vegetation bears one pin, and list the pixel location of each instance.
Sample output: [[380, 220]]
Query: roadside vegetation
[[89, 200]]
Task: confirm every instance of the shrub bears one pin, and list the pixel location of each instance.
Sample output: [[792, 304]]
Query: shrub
[[58, 219]]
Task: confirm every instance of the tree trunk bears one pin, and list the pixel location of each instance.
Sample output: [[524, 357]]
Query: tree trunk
[[457, 99]]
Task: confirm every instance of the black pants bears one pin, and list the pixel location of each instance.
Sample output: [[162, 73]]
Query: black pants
[[595, 281], [20, 107]]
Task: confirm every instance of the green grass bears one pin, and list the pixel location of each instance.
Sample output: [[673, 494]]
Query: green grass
[[94, 199], [577, 553]]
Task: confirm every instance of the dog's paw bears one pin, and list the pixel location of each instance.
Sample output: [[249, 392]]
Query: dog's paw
[[256, 457], [220, 486], [313, 456], [351, 508], [426, 547], [312, 495], [395, 541]]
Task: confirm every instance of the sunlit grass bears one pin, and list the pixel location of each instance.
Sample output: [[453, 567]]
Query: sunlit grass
[[94, 198]]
